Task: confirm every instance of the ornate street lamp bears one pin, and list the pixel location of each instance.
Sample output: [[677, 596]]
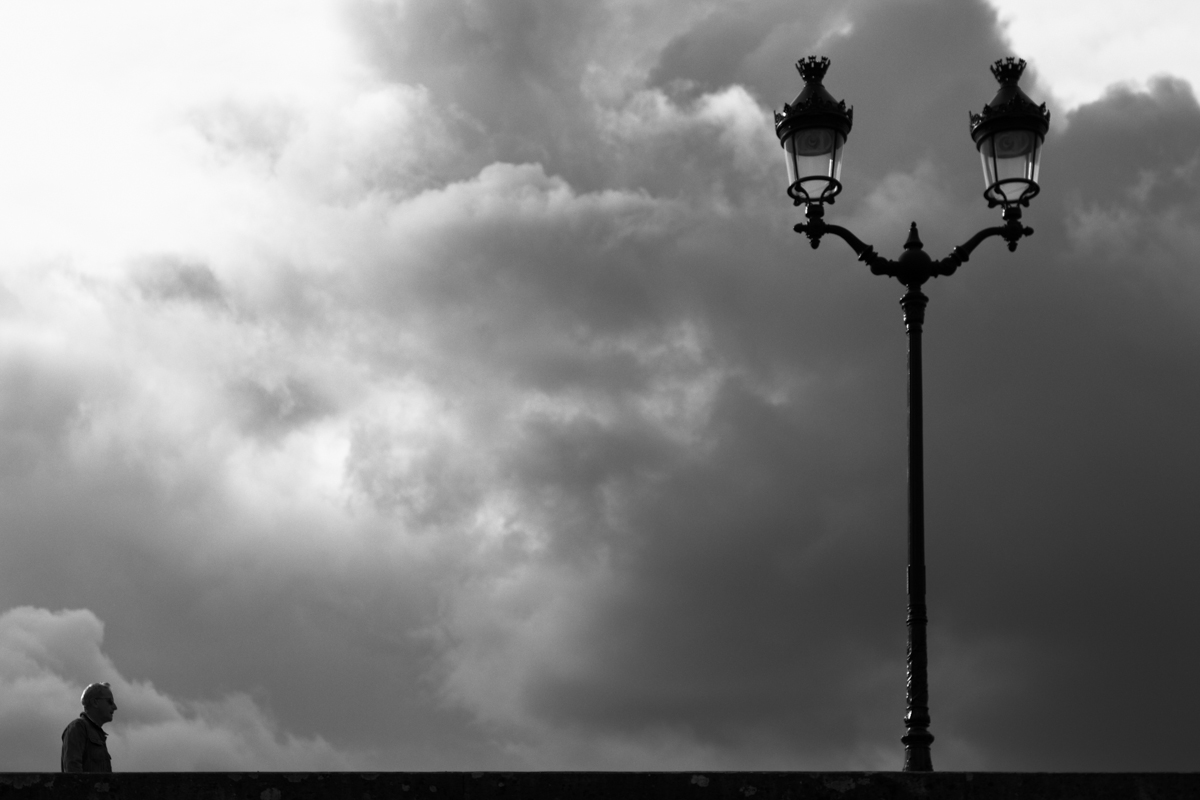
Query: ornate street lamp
[[813, 131], [1008, 133]]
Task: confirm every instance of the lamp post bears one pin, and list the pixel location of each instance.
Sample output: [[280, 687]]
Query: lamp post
[[1008, 135]]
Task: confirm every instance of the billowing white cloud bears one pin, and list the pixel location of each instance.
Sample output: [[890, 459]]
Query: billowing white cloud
[[48, 657], [1116, 42]]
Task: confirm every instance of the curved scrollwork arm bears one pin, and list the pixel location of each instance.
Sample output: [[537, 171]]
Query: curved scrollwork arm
[[914, 267], [816, 227], [1011, 231]]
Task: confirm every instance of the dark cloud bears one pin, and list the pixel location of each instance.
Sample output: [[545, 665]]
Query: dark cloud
[[1093, 376], [772, 535], [712, 54], [1146, 142], [912, 70], [511, 73]]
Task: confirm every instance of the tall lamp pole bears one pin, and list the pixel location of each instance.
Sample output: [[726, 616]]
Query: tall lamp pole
[[1009, 134]]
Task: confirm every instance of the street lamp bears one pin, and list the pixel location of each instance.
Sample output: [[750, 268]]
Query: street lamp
[[1008, 134]]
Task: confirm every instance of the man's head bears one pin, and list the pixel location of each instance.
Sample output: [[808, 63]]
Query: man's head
[[98, 703]]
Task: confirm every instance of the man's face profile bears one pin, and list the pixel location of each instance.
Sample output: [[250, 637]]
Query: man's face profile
[[101, 707]]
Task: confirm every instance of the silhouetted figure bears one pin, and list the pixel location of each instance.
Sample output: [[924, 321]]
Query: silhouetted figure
[[83, 745]]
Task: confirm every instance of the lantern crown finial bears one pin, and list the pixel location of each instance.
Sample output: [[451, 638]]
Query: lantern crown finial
[[813, 68], [1007, 71], [814, 105], [1011, 107]]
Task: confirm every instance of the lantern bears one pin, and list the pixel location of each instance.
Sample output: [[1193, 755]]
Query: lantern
[[1009, 134], [812, 130]]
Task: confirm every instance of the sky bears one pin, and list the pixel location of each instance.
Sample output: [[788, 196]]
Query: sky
[[401, 385]]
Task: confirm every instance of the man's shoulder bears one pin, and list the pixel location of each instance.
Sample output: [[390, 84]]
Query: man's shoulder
[[82, 726]]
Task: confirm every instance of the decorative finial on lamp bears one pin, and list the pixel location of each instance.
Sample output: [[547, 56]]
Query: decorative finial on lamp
[[1008, 70], [813, 68]]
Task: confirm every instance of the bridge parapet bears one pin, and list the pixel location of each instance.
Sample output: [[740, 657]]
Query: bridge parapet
[[600, 786]]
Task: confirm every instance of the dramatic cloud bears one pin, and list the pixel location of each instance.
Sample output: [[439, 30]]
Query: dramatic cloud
[[441, 386], [49, 656]]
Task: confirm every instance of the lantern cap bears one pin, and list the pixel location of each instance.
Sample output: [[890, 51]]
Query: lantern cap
[[1008, 70], [814, 107], [1011, 108], [813, 68]]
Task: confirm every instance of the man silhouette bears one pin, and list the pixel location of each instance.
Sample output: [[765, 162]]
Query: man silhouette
[[83, 746]]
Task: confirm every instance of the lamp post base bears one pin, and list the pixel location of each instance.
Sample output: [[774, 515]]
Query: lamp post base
[[917, 756]]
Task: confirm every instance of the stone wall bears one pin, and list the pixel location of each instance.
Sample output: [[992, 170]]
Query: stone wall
[[599, 786]]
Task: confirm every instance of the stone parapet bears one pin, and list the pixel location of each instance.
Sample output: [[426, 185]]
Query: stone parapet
[[600, 786]]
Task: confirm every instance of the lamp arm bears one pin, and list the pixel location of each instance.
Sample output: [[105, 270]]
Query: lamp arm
[[1011, 231], [816, 227], [915, 267]]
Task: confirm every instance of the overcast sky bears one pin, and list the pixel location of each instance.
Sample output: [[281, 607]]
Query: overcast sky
[[440, 385]]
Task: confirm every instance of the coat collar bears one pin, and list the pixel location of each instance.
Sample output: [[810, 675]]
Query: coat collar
[[93, 727]]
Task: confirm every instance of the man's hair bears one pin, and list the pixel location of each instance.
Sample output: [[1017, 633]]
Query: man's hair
[[93, 692]]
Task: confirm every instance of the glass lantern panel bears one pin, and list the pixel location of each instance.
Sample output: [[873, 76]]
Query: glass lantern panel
[[1011, 156], [814, 153]]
